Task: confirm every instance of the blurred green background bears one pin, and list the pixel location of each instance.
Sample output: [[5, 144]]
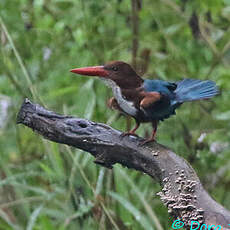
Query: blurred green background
[[45, 185]]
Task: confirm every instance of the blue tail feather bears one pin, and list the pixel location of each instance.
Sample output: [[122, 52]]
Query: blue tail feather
[[193, 89]]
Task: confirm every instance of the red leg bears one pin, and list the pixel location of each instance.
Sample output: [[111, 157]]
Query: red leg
[[154, 133], [132, 132], [152, 138]]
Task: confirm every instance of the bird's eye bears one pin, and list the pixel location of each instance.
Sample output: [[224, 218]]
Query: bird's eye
[[114, 68]]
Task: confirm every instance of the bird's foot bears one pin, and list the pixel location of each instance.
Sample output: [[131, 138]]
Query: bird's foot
[[113, 104], [128, 134], [153, 136], [147, 141]]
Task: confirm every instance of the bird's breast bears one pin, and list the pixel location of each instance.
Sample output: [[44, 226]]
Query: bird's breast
[[127, 106]]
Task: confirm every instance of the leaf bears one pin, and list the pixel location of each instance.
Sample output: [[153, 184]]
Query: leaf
[[223, 116], [33, 218], [173, 29], [100, 181], [134, 211], [140, 195]]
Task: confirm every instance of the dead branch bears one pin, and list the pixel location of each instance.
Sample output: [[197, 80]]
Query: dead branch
[[182, 191]]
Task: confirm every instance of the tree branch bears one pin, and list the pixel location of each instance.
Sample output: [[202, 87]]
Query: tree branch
[[182, 191], [135, 29]]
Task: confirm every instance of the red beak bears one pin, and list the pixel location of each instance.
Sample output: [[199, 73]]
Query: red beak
[[91, 71]]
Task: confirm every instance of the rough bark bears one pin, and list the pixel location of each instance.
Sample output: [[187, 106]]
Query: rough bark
[[182, 191]]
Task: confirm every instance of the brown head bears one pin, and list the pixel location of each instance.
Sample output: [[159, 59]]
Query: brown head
[[119, 72]]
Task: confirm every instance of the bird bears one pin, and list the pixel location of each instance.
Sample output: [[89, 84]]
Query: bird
[[147, 100]]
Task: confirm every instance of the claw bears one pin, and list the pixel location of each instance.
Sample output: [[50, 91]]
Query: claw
[[113, 104], [131, 132], [128, 134], [147, 141]]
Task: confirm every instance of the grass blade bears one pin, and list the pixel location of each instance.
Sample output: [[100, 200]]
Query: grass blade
[[147, 207], [134, 211], [34, 217]]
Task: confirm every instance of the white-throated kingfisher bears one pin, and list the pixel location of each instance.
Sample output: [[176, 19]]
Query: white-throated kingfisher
[[147, 100]]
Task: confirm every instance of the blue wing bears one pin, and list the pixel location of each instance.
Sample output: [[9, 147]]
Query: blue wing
[[163, 108], [174, 94], [160, 86]]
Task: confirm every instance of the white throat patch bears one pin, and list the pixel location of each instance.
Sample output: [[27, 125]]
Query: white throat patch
[[127, 106]]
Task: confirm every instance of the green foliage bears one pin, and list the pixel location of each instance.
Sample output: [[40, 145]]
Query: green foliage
[[49, 186]]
